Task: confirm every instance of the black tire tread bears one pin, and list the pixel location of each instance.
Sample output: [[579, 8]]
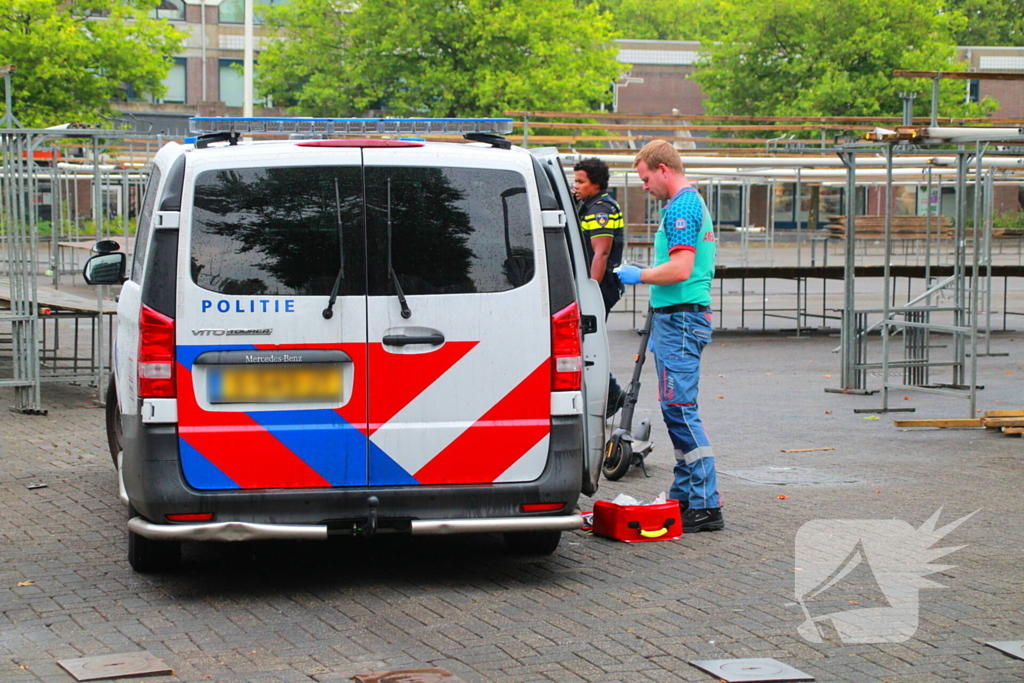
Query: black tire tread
[[532, 542]]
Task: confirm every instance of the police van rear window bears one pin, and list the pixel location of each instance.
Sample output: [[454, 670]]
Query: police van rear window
[[275, 231], [291, 231], [453, 230]]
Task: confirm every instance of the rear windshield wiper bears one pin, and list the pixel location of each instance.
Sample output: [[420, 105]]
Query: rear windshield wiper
[[329, 311], [406, 312]]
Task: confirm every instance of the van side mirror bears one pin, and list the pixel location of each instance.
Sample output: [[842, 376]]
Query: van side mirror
[[106, 246], [105, 268]]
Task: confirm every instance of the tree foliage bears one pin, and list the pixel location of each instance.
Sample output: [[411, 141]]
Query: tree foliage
[[438, 57], [666, 19], [990, 22], [810, 58], [73, 57]]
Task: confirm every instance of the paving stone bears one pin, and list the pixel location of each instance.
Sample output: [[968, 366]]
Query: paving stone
[[597, 611]]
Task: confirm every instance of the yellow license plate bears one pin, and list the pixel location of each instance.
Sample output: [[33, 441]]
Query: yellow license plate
[[278, 384]]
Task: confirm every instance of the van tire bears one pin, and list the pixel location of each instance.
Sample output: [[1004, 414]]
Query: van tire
[[115, 440], [532, 542], [147, 556]]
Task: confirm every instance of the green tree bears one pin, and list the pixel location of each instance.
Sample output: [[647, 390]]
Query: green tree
[[990, 22], [810, 58], [73, 58], [439, 57], [666, 19]]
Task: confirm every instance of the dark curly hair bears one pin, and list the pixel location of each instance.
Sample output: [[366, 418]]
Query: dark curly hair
[[596, 170]]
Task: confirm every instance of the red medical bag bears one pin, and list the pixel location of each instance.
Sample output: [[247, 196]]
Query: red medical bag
[[635, 523]]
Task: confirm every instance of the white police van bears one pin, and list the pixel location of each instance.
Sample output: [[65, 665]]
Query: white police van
[[354, 335]]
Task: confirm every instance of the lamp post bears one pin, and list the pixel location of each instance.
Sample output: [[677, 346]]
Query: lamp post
[[247, 61], [8, 120]]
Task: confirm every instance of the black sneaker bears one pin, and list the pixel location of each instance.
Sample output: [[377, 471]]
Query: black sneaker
[[614, 403], [708, 519]]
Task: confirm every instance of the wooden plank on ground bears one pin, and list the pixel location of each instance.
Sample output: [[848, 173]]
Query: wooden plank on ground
[[1004, 413], [1013, 430], [994, 422], [966, 422]]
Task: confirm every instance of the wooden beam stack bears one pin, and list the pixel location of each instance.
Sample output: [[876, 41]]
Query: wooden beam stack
[[1009, 422], [903, 227]]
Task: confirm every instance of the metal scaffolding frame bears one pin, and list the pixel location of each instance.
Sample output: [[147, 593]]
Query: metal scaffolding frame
[[918, 319], [34, 351]]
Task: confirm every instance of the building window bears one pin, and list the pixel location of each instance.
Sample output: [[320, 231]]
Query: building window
[[973, 92], [233, 11], [175, 82], [783, 193], [231, 83], [172, 10]]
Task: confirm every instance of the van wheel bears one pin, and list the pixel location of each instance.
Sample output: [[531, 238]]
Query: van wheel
[[532, 542], [113, 411], [147, 556]]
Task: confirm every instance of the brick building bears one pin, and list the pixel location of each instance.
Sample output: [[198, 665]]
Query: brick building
[[658, 82]]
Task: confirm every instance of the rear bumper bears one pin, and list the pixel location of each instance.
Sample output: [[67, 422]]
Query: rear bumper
[[250, 531], [154, 485]]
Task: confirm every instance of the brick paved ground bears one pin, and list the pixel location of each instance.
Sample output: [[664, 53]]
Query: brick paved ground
[[597, 610]]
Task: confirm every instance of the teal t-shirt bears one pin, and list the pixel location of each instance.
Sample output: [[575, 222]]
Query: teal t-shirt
[[685, 224]]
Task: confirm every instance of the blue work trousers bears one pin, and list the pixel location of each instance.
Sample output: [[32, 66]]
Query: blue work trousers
[[678, 339]]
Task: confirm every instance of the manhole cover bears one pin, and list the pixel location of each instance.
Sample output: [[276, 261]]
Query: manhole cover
[[783, 476], [115, 666], [1014, 648], [751, 670]]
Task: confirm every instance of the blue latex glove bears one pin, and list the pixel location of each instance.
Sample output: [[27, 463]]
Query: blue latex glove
[[628, 275]]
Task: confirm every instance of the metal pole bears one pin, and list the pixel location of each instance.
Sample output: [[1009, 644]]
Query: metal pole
[[928, 232], [247, 61], [8, 120], [799, 223], [202, 30], [56, 218], [989, 211], [848, 330], [959, 268], [886, 284], [979, 151]]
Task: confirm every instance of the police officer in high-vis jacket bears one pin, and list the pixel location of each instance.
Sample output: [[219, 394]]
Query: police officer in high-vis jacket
[[601, 220]]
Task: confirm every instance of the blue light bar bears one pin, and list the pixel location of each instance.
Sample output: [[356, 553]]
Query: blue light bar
[[201, 125]]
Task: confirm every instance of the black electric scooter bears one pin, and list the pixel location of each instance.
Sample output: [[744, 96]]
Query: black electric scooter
[[626, 447]]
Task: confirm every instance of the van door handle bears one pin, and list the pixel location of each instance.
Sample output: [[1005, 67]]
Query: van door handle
[[435, 339]]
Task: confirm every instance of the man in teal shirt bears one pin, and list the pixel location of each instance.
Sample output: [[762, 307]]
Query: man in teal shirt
[[680, 280]]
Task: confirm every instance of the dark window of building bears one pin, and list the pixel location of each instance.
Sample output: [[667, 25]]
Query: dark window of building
[[973, 91], [172, 10], [175, 83]]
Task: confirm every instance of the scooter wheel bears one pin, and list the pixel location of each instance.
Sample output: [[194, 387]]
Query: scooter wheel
[[618, 456]]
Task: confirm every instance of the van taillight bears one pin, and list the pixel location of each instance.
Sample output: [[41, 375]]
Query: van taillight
[[566, 350], [156, 355]]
